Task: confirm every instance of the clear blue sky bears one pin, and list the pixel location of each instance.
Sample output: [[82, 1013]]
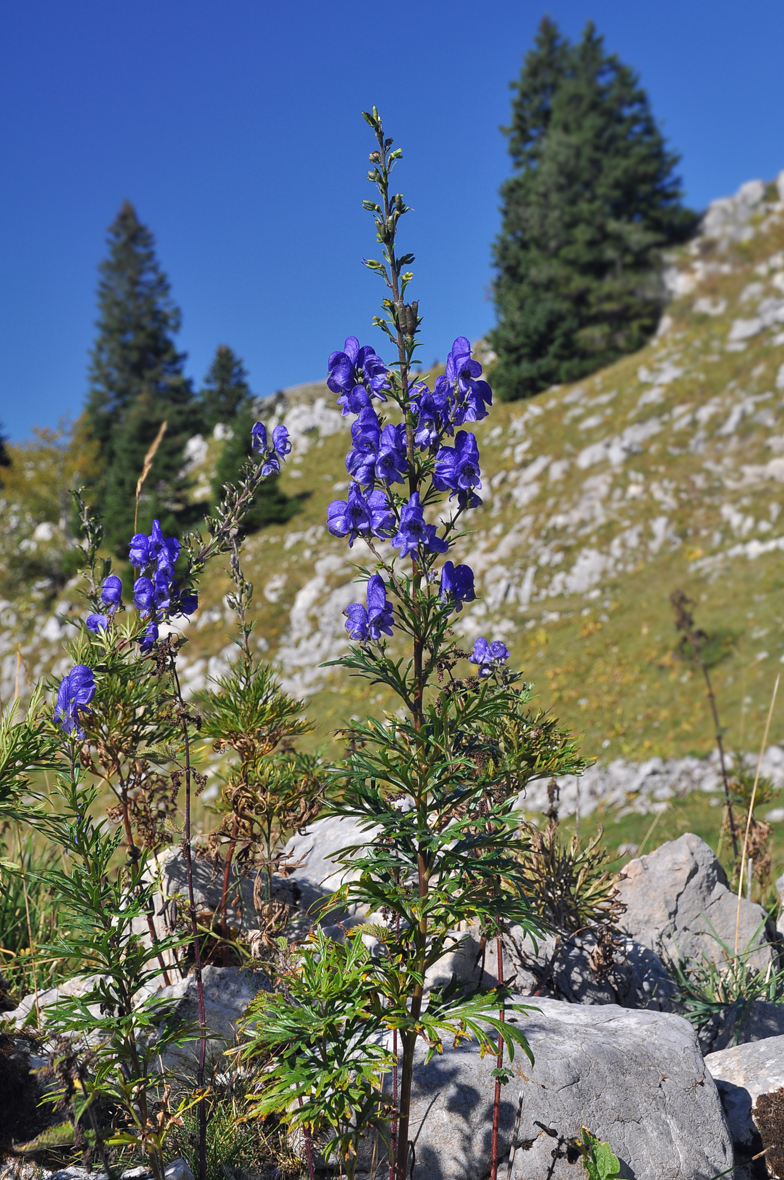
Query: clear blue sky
[[235, 129]]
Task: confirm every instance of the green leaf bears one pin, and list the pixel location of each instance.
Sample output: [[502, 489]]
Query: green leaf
[[598, 1159]]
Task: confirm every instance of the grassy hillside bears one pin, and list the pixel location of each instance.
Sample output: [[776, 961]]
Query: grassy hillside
[[664, 471]]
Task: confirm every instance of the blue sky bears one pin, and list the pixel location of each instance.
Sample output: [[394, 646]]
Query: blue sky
[[235, 129]]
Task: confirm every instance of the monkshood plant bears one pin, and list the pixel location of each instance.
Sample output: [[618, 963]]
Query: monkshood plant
[[433, 784], [120, 718]]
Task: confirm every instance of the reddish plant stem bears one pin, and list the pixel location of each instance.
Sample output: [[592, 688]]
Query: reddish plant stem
[[499, 1062], [308, 1149]]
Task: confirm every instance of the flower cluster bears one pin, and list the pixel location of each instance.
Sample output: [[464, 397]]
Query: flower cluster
[[363, 623], [379, 458], [156, 592], [273, 452], [74, 695]]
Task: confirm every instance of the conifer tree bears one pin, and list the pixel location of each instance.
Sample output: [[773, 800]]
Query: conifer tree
[[5, 458], [591, 202], [136, 383], [226, 391]]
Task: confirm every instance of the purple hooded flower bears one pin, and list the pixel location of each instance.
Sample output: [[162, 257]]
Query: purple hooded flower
[[362, 465], [462, 371], [271, 466], [76, 691], [259, 437], [357, 515], [413, 531], [457, 585], [391, 461], [189, 602], [111, 592], [366, 431], [96, 623], [457, 468], [356, 622], [139, 554], [143, 595], [162, 582], [379, 608], [354, 401], [363, 623], [149, 639], [489, 655], [357, 366], [281, 441]]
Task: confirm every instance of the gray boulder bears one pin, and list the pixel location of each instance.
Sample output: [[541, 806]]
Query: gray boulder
[[563, 968], [227, 993], [313, 871], [738, 1025], [636, 1079], [679, 904], [742, 1073]]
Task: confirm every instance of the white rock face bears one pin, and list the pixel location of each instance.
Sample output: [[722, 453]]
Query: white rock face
[[227, 993], [637, 1079]]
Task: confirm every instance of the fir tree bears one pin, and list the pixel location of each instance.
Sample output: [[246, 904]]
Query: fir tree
[[271, 505], [5, 458], [592, 201], [226, 391], [136, 383]]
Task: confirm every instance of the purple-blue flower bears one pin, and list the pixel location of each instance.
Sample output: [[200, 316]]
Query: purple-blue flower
[[457, 585], [162, 583], [358, 514], [379, 608], [362, 465], [143, 595], [457, 467], [473, 396], [413, 531], [96, 623], [489, 655], [366, 431], [259, 436], [391, 461], [370, 621], [281, 441], [139, 554], [356, 622], [76, 691], [354, 401], [189, 602], [271, 466], [357, 366], [149, 639], [111, 591]]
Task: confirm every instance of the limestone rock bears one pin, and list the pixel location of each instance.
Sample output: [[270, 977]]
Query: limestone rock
[[636, 1079], [563, 969], [227, 993], [678, 903], [759, 1020], [314, 873], [742, 1073]]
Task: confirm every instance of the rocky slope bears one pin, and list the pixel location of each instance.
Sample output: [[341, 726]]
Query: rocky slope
[[664, 470]]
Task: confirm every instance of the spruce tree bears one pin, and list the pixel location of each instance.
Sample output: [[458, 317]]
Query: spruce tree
[[226, 391], [592, 201], [5, 458], [136, 383]]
